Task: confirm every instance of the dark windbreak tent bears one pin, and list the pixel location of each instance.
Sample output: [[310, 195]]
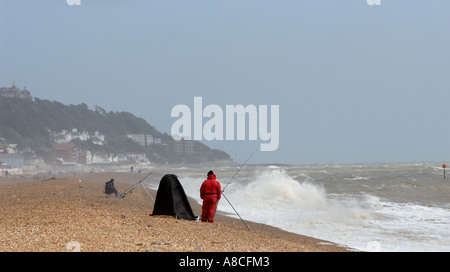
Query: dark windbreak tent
[[172, 200]]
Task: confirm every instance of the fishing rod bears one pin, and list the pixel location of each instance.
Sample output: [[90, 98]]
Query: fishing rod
[[139, 182], [148, 193], [229, 183], [234, 210], [239, 170]]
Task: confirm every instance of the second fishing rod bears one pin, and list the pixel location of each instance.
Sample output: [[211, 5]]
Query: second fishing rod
[[223, 190]]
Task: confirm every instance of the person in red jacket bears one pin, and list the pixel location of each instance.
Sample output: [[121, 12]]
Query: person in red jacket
[[210, 192]]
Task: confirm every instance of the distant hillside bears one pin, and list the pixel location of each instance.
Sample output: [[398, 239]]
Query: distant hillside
[[26, 123]]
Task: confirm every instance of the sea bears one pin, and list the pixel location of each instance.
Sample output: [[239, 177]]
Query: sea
[[369, 207]]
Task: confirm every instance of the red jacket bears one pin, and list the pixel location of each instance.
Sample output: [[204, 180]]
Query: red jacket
[[211, 186]]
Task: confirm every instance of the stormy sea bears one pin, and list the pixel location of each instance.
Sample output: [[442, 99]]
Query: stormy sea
[[369, 207]]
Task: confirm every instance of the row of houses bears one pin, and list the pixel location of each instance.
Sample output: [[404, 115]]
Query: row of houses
[[68, 153], [184, 147], [65, 154], [66, 136], [144, 139], [16, 163]]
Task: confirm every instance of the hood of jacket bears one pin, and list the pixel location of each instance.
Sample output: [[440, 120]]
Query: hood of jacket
[[212, 176]]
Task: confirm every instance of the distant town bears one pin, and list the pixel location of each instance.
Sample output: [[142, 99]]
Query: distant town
[[64, 151]]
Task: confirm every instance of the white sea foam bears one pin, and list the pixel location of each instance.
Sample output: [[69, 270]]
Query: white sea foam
[[327, 206]]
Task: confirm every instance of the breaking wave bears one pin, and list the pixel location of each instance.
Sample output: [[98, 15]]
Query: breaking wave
[[275, 188], [273, 195], [370, 207]]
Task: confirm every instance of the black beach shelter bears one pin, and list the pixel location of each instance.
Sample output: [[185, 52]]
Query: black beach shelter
[[172, 200]]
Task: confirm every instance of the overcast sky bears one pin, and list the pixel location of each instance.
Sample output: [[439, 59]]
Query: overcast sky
[[354, 83]]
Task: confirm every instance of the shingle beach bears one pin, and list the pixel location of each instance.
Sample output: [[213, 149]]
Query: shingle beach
[[73, 214]]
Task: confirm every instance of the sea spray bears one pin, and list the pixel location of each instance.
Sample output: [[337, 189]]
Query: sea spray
[[381, 207], [275, 188], [274, 197]]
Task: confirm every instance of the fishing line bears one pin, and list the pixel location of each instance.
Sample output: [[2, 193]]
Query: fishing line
[[229, 183], [148, 193], [239, 170], [235, 210], [139, 182]]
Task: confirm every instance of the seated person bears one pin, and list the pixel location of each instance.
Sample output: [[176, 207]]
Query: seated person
[[109, 188]]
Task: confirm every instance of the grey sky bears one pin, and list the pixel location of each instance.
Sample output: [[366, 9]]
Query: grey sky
[[355, 83]]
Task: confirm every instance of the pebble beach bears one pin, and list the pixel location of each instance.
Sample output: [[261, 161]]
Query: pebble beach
[[60, 214]]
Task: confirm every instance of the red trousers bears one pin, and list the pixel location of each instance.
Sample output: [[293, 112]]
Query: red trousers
[[209, 208]]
